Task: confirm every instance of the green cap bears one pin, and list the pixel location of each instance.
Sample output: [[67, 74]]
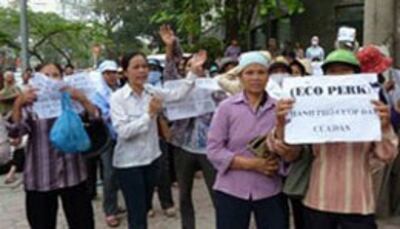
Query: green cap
[[342, 56]]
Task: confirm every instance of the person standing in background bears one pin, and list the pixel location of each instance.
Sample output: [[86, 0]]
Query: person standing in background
[[233, 50], [315, 52], [108, 84]]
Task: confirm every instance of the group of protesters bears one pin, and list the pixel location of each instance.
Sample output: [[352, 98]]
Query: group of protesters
[[239, 149]]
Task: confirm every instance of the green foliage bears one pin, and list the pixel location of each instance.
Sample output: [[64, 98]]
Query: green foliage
[[135, 18], [213, 46], [237, 14], [280, 8], [51, 37]]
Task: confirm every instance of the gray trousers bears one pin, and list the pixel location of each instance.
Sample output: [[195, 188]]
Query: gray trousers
[[186, 165], [110, 183]]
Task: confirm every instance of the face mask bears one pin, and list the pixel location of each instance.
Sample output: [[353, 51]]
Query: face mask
[[278, 77], [314, 43], [154, 77]]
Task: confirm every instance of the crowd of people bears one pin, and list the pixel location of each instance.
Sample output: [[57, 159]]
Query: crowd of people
[[239, 149]]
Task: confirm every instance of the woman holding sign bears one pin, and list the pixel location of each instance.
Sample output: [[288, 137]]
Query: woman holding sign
[[48, 173], [248, 181], [134, 111], [340, 192]]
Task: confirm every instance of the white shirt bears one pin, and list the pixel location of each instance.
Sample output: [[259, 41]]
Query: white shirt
[[137, 142], [315, 52]]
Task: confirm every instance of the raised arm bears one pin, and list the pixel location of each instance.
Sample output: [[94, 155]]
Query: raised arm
[[174, 53], [170, 95], [229, 82]]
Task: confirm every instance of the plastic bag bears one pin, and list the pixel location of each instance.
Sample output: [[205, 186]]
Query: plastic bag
[[68, 134]]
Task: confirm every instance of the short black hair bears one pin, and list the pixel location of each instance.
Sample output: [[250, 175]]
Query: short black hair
[[300, 65], [69, 66], [39, 67], [127, 58]]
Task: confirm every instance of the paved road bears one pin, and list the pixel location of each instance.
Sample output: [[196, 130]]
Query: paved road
[[12, 214]]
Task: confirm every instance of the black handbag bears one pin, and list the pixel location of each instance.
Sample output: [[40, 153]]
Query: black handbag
[[99, 135]]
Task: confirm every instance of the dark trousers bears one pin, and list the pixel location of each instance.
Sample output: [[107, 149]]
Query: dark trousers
[[41, 208], [325, 220], [110, 182], [164, 177], [92, 164], [299, 214], [18, 160], [235, 213], [137, 186], [186, 165]]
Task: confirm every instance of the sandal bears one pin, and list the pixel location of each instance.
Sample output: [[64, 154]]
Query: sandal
[[112, 221]]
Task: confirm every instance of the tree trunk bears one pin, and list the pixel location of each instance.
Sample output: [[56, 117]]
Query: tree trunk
[[231, 20]]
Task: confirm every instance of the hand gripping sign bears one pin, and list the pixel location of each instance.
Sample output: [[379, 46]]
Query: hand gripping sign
[[332, 109]]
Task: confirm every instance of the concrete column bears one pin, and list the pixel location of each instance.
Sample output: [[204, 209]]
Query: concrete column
[[397, 35], [379, 23]]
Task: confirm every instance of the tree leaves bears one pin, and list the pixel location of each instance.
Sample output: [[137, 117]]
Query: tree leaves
[[51, 37]]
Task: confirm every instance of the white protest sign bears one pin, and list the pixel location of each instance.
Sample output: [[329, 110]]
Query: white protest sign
[[332, 109], [208, 83], [48, 102], [83, 82], [346, 34], [198, 102]]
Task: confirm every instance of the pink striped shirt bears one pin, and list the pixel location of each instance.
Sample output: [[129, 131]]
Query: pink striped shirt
[[341, 175]]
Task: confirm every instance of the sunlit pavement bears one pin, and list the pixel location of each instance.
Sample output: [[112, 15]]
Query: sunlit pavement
[[12, 212]]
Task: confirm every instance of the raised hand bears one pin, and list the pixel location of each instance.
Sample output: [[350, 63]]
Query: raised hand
[[167, 35], [198, 61]]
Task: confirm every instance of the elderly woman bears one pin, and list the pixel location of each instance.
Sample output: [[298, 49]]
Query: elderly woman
[[246, 183], [48, 173], [134, 111], [345, 166]]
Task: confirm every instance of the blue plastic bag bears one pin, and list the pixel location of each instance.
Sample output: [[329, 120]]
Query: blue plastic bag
[[68, 134]]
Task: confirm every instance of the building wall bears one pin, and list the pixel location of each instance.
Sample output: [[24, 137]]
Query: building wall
[[322, 18]]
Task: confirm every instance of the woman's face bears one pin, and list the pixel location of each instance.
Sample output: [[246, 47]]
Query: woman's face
[[254, 78], [296, 71], [137, 70], [51, 71]]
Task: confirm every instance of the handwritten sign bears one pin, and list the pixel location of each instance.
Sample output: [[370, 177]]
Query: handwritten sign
[[346, 34], [332, 109], [48, 103], [198, 102]]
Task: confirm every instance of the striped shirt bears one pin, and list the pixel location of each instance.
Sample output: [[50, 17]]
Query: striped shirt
[[341, 175], [46, 169]]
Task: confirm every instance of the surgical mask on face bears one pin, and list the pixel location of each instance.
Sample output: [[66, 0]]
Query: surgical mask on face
[[154, 78], [278, 77]]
